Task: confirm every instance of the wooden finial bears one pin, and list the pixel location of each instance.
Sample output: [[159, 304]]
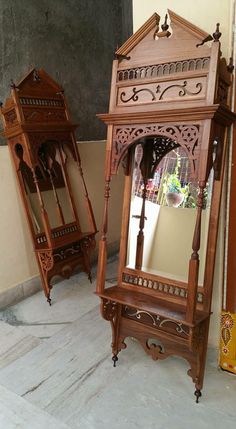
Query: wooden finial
[[230, 66], [165, 26], [217, 33], [164, 33], [36, 77], [12, 84]]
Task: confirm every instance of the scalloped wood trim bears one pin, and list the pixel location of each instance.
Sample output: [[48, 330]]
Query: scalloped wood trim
[[152, 22], [193, 29]]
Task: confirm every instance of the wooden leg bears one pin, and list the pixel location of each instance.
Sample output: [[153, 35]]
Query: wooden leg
[[198, 360], [115, 359]]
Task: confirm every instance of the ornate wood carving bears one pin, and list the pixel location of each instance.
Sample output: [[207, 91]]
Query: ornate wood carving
[[156, 321], [187, 136], [143, 281], [153, 71], [46, 260], [156, 93], [10, 118], [164, 95], [44, 115], [38, 141]]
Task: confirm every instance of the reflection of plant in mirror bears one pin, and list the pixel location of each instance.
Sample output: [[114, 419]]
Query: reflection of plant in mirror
[[175, 193]]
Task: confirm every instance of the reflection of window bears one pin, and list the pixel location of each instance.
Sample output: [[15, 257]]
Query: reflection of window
[[173, 174]]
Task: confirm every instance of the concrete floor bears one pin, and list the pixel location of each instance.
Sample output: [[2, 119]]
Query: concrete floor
[[56, 372]]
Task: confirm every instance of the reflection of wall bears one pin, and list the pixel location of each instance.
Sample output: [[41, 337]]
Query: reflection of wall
[[50, 207], [17, 261], [151, 212], [172, 242], [168, 235]]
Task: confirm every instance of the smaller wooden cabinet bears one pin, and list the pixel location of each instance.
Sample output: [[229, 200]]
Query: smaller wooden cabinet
[[42, 143]]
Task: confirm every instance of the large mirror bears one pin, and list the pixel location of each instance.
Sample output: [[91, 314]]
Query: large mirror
[[163, 211]]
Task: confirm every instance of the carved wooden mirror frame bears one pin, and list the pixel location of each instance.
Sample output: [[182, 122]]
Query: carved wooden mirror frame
[[170, 88]]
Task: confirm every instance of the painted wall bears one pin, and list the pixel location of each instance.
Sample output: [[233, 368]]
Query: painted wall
[[204, 14], [74, 41]]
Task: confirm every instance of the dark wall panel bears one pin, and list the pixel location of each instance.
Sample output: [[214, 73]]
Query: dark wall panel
[[74, 41]]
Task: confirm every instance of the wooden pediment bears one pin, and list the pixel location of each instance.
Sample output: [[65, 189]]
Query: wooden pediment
[[150, 44], [36, 82], [168, 64]]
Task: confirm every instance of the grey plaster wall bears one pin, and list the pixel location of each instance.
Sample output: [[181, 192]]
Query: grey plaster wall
[[74, 41]]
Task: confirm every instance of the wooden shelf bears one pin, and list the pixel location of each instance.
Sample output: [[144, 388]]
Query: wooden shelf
[[151, 304]]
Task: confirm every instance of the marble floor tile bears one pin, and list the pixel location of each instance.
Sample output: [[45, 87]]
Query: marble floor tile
[[15, 342], [16, 413], [70, 376]]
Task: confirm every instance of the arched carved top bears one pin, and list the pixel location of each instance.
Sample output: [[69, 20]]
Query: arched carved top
[[188, 136]]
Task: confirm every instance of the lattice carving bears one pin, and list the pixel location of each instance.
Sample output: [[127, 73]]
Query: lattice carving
[[166, 288], [28, 101], [46, 260], [185, 135], [156, 321], [64, 231], [153, 71]]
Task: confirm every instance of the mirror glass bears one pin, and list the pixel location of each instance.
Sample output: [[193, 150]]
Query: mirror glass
[[163, 213], [51, 178]]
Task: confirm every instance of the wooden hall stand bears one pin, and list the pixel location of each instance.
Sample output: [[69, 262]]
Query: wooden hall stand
[[43, 147], [169, 92]]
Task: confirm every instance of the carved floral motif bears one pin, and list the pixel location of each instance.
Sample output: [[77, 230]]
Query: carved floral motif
[[46, 260], [184, 135], [156, 320], [227, 324]]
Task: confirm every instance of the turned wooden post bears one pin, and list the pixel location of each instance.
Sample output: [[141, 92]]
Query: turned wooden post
[[194, 261], [68, 186], [101, 272], [140, 236], [86, 196]]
